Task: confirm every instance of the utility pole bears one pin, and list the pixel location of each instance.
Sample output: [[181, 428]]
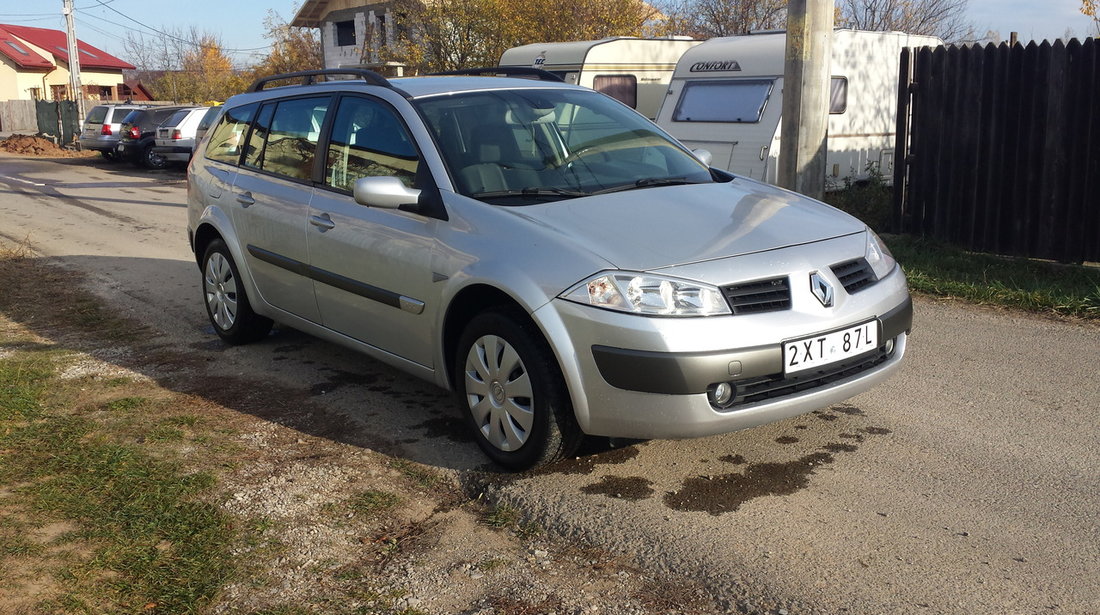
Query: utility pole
[[806, 84], [75, 89]]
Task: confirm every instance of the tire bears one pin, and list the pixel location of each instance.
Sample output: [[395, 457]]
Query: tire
[[226, 303], [151, 160], [512, 393]]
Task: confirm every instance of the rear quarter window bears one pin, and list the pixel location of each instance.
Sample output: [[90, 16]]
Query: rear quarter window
[[226, 139]]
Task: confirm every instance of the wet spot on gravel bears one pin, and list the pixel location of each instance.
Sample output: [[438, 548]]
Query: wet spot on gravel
[[849, 410], [736, 460], [292, 348], [878, 431], [801, 427], [837, 447], [827, 417], [786, 440], [852, 436], [451, 427], [338, 379], [215, 345], [585, 461], [726, 493], [623, 488]]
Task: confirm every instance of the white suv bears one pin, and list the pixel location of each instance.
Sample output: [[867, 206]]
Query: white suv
[[544, 251]]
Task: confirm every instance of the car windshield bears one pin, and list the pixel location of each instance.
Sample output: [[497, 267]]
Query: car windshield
[[515, 147]]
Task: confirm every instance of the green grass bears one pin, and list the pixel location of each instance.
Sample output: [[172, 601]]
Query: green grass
[[373, 502], [936, 268], [154, 540]]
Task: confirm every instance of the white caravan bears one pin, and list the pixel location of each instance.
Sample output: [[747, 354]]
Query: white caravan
[[635, 71], [726, 97]]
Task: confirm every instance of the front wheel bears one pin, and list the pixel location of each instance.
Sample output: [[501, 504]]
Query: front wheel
[[512, 392], [226, 301]]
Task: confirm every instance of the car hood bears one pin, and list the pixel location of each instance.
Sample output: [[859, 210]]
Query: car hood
[[654, 228]]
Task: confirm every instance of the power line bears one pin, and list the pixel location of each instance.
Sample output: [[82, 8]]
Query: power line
[[165, 34]]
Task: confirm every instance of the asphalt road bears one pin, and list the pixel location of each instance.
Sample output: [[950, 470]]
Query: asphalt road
[[967, 484]]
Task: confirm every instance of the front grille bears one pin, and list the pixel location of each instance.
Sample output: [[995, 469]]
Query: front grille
[[854, 275], [769, 387], [772, 295]]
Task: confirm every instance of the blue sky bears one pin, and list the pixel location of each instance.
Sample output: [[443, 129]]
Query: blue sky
[[239, 23]]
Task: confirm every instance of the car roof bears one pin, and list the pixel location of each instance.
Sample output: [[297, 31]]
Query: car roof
[[410, 87]]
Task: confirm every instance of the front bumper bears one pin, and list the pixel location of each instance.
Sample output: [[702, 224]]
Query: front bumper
[[642, 377]]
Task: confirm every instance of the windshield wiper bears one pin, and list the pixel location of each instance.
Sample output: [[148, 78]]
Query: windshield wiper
[[531, 192], [647, 182]]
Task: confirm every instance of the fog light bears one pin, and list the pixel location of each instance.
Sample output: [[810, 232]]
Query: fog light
[[889, 347], [721, 394]]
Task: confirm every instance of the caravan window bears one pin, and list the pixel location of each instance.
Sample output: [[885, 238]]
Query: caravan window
[[838, 95], [740, 101], [623, 88]]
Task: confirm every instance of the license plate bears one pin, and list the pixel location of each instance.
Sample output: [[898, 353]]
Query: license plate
[[821, 350]]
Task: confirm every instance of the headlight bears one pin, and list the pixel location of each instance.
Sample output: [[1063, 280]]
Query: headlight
[[878, 256], [653, 295]]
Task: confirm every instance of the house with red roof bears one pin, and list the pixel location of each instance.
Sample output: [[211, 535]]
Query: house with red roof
[[34, 65]]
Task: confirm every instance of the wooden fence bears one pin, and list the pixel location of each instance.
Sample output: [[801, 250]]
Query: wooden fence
[[18, 116], [998, 148]]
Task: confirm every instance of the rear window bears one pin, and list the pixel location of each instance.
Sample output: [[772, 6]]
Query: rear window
[[96, 115], [133, 117], [739, 101], [175, 119]]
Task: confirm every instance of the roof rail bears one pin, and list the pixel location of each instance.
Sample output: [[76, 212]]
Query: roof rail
[[507, 71], [307, 76]]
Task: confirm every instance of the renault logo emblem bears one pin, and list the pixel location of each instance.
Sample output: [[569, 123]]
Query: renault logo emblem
[[821, 289]]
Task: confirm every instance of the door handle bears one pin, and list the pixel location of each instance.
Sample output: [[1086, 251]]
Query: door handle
[[323, 222], [245, 199]]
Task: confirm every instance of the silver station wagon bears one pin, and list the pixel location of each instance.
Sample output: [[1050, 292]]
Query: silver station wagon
[[554, 258]]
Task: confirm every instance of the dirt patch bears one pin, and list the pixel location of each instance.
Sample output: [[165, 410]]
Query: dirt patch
[[27, 145], [326, 521]]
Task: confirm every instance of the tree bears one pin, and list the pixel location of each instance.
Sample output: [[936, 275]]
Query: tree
[[704, 19], [453, 34], [943, 18], [1091, 8], [292, 49], [184, 66]]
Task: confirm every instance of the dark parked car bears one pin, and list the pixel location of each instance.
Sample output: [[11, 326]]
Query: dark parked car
[[139, 133], [102, 127]]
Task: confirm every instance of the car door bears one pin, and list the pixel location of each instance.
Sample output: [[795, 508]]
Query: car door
[[372, 266], [272, 191]]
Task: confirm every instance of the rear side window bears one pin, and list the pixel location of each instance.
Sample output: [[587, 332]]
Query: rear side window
[[225, 142], [96, 115], [289, 146], [623, 88], [741, 101], [209, 117], [368, 140]]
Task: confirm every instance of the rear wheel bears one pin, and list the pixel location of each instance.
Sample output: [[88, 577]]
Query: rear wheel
[[512, 392], [151, 160], [225, 298]]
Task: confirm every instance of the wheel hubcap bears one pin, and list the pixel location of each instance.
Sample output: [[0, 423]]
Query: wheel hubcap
[[221, 291], [499, 393]]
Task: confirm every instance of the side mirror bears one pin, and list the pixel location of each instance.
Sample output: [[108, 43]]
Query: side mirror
[[704, 156], [385, 193]]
